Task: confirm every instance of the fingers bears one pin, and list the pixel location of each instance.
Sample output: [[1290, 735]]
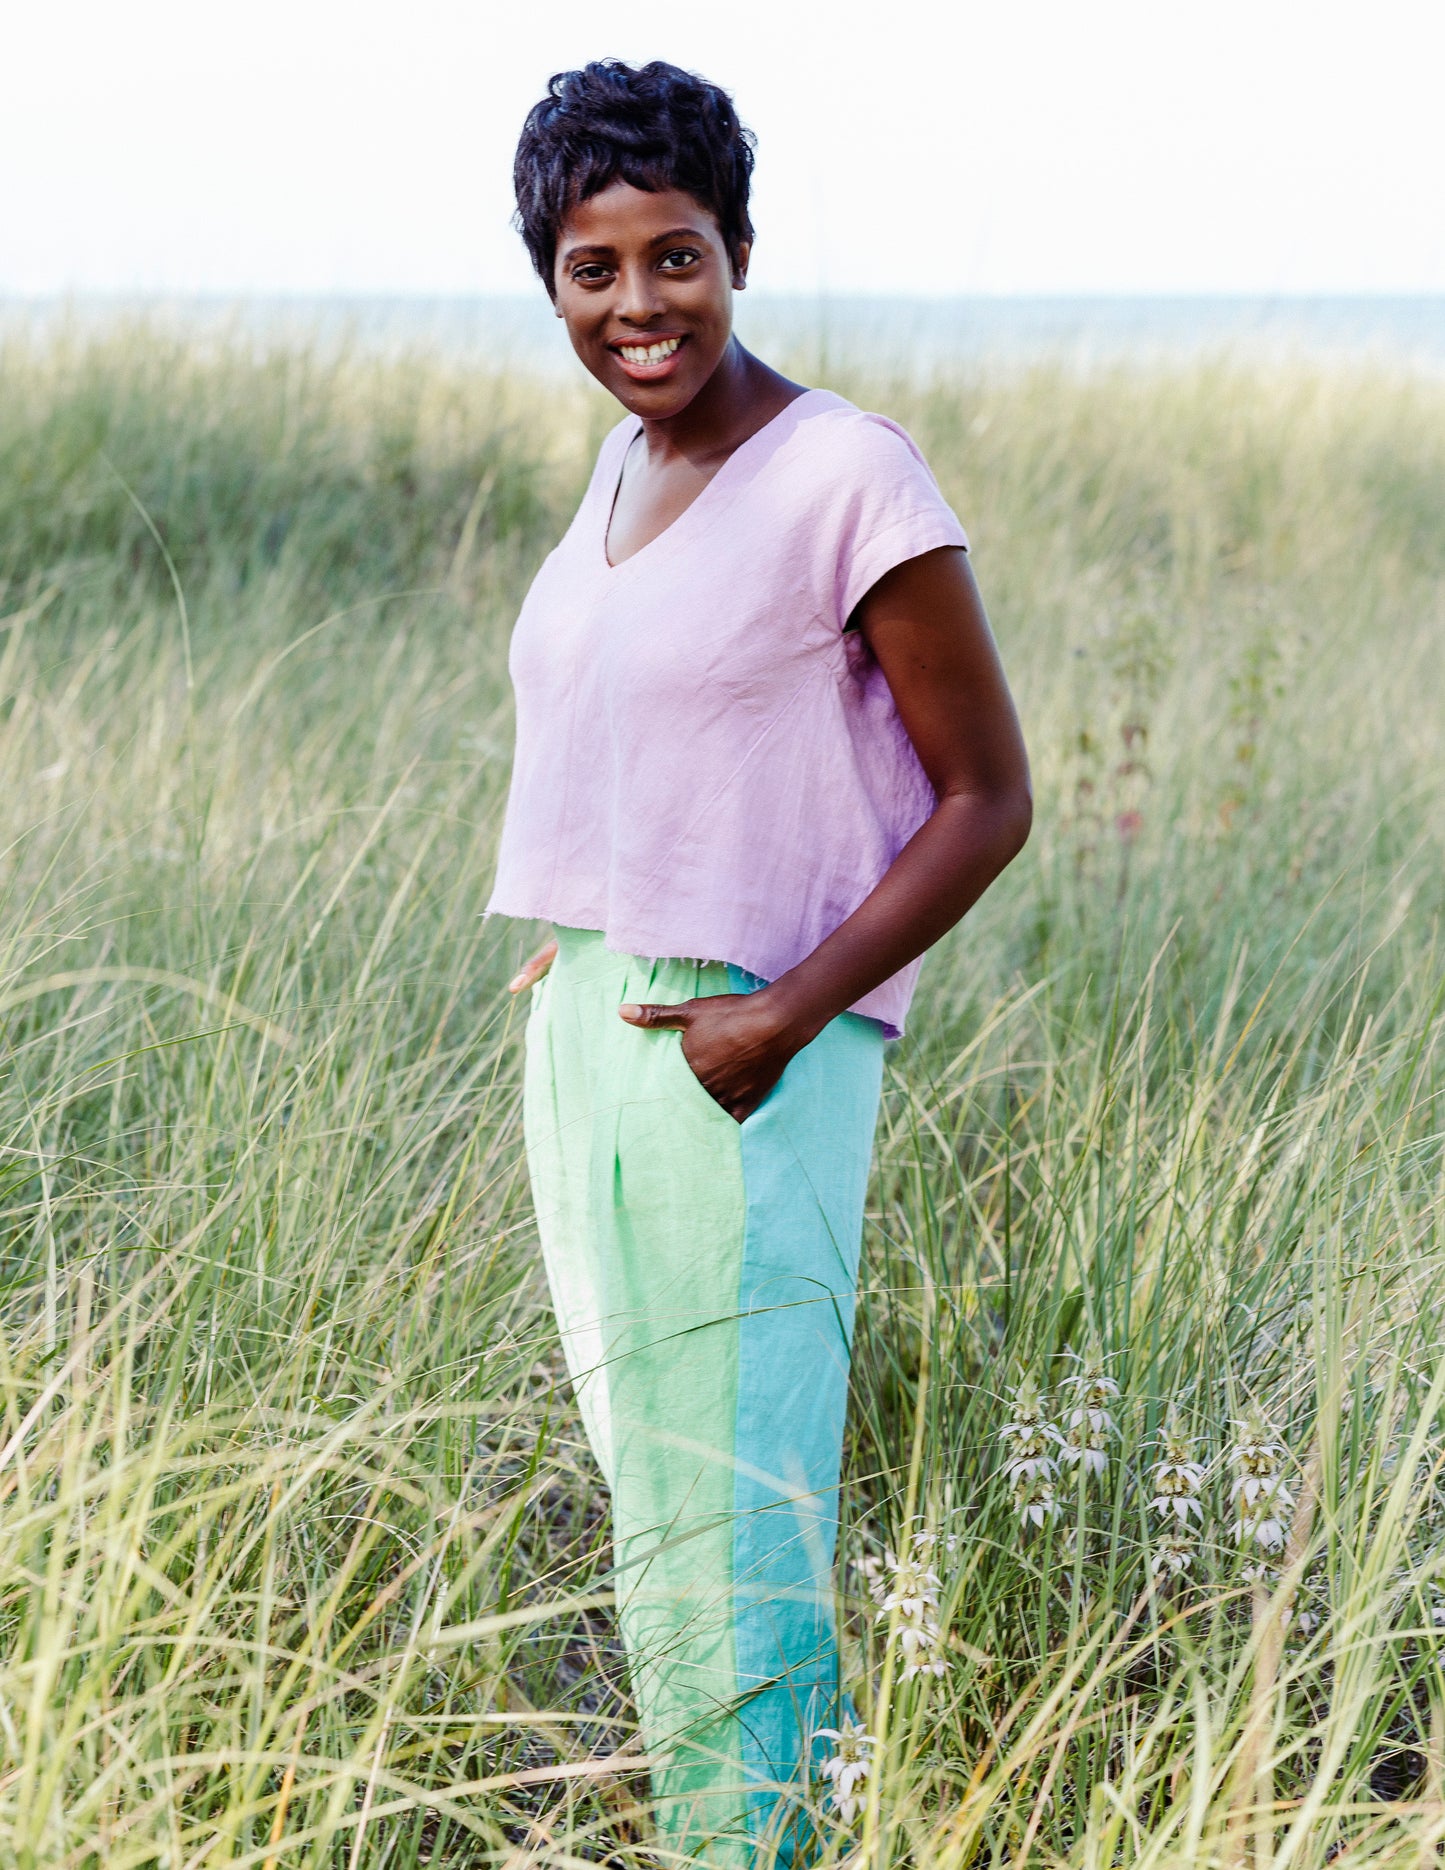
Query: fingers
[[658, 1017], [532, 970]]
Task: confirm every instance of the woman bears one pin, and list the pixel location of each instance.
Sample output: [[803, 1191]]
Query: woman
[[765, 756]]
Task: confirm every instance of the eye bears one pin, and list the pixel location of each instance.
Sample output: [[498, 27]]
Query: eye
[[590, 273], [678, 258]]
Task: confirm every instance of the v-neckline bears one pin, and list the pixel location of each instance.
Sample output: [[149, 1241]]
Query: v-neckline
[[698, 498]]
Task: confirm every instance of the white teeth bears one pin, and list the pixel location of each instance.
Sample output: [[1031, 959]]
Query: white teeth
[[649, 353]]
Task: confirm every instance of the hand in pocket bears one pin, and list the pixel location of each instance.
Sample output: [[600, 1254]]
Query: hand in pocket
[[735, 1044]]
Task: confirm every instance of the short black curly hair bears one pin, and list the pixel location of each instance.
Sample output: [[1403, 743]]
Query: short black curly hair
[[654, 126]]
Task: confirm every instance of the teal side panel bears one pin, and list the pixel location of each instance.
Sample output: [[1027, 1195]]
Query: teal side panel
[[806, 1153]]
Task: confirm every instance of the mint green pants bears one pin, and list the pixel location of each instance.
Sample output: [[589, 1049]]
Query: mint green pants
[[703, 1274]]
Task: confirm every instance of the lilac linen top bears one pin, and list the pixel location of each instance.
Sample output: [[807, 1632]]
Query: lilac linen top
[[707, 766]]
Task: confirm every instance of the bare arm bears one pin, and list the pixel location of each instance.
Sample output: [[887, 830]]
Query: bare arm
[[925, 623]]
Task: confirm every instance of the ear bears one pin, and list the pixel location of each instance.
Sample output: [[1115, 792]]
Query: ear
[[740, 265]]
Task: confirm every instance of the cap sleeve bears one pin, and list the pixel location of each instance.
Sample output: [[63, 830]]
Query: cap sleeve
[[890, 507]]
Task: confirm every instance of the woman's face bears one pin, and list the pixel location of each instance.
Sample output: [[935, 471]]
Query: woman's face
[[645, 284]]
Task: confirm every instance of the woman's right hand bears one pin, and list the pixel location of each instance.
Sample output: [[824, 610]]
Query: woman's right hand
[[532, 970]]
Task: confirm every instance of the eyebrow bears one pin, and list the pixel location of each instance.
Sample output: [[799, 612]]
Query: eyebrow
[[658, 240]]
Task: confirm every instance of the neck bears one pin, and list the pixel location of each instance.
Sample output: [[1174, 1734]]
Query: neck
[[741, 394]]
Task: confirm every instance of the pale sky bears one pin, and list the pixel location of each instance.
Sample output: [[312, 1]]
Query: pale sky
[[1057, 146]]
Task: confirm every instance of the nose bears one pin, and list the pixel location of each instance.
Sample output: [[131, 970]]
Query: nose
[[639, 298]]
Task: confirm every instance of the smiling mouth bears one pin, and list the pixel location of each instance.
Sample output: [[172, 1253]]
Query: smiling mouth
[[648, 356]]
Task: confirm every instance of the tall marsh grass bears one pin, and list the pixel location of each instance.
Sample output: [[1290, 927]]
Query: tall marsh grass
[[302, 1558]]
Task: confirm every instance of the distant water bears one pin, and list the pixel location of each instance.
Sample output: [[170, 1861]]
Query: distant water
[[890, 334]]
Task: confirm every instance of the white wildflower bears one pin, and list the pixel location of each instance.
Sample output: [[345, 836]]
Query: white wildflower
[[913, 1588], [1177, 1479], [1087, 1448], [922, 1647], [848, 1768], [1029, 1438], [1174, 1553], [1034, 1499], [1269, 1528], [908, 1598], [1088, 1426], [1263, 1503]]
